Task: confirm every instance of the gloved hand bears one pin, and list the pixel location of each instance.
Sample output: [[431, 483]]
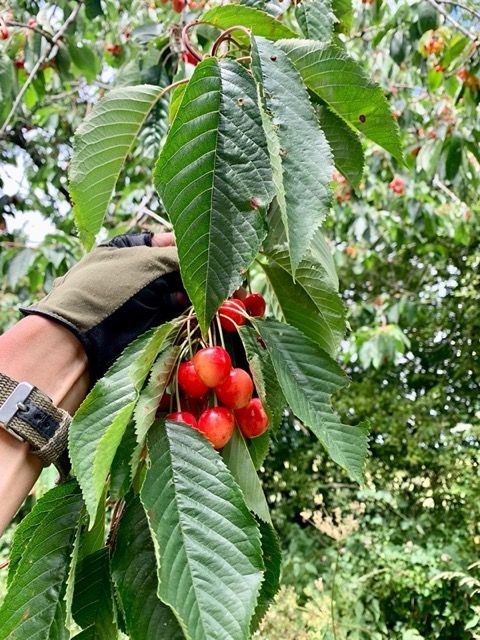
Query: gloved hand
[[116, 293]]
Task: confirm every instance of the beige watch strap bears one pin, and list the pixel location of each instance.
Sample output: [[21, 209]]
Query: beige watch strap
[[30, 416]]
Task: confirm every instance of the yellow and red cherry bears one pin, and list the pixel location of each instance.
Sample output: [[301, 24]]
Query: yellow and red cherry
[[252, 419], [232, 314], [183, 416], [255, 305], [217, 425], [189, 381], [212, 365], [236, 391]]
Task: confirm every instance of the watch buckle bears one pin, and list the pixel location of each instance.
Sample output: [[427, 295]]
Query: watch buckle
[[12, 404]]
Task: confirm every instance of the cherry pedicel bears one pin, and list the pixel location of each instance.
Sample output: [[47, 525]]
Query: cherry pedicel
[[252, 419], [212, 365], [183, 416], [237, 389], [255, 305], [232, 314], [217, 425], [189, 382]]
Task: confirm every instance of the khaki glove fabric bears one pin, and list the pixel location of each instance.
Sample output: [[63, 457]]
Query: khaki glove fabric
[[115, 294]]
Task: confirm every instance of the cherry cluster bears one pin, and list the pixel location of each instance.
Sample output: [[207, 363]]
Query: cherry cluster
[[216, 393]]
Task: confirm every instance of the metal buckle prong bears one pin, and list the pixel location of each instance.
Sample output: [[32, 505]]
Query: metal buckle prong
[[12, 404]]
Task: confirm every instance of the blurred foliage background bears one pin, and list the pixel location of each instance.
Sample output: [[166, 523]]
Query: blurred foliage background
[[398, 557]]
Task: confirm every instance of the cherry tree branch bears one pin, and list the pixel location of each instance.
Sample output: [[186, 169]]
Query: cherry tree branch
[[460, 5], [452, 20], [43, 58], [44, 34]]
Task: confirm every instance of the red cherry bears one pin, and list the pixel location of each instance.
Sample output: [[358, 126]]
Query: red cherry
[[187, 56], [164, 404], [237, 389], [252, 419], [178, 5], [19, 63], [230, 312], [189, 382], [4, 33], [217, 425], [183, 416], [212, 365], [255, 305]]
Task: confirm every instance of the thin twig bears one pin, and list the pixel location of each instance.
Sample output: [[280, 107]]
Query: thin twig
[[43, 58], [452, 21], [4, 564], [23, 25], [462, 6]]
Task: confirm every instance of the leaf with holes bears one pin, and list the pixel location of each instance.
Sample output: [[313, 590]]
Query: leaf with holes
[[215, 181], [348, 91], [100, 422], [308, 377], [210, 562], [134, 572], [303, 188], [101, 144], [34, 605]]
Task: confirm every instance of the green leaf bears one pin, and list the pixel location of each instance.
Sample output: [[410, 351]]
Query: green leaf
[[344, 13], [264, 376], [303, 188], [308, 377], [120, 472], [315, 18], [100, 422], [214, 178], [176, 98], [427, 16], [144, 414], [343, 85], [6, 86], [33, 606], [237, 458], [84, 59], [101, 144], [134, 572], [210, 564], [93, 8], [258, 448], [454, 157], [260, 23], [272, 557], [344, 143], [92, 606], [310, 303]]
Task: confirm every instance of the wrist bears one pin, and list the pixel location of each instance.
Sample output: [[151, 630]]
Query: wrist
[[45, 354]]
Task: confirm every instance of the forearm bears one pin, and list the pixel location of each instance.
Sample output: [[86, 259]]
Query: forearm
[[47, 355]]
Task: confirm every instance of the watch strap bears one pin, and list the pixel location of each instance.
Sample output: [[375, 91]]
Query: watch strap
[[29, 415]]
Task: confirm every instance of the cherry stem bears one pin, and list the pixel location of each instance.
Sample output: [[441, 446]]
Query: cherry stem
[[226, 35], [220, 332], [186, 39]]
